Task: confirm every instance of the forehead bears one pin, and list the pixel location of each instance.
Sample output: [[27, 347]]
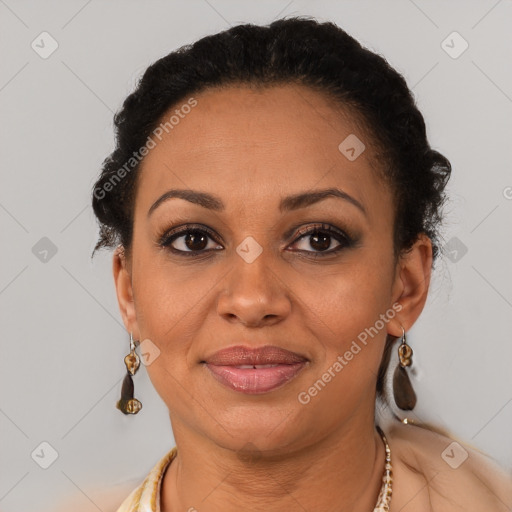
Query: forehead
[[257, 143]]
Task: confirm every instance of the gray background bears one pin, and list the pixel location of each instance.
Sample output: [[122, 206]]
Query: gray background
[[63, 341]]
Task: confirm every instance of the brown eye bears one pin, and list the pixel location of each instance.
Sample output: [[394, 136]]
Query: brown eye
[[189, 240], [319, 239], [195, 240]]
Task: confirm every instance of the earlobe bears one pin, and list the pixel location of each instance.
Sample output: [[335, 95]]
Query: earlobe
[[124, 291], [411, 284]]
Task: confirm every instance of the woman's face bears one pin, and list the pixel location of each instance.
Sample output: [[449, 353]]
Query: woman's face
[[253, 279]]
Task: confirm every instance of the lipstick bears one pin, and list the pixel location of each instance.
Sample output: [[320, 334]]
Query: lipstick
[[255, 370]]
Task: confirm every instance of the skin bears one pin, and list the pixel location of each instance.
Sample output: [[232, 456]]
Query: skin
[[251, 148]]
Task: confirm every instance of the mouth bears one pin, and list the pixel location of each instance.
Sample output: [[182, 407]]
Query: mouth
[[255, 371]]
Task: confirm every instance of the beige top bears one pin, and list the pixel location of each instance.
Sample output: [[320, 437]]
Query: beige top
[[146, 497], [431, 473]]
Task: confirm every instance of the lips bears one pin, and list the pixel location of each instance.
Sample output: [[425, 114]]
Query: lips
[[255, 371], [267, 355]]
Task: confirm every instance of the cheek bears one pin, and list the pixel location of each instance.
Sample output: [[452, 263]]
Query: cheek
[[168, 297], [164, 310], [349, 313], [349, 299]]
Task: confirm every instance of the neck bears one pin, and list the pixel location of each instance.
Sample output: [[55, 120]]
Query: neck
[[342, 472]]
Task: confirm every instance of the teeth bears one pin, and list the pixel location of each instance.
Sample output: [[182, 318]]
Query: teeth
[[243, 366]]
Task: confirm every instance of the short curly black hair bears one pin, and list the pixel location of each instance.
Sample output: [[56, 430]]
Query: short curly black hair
[[300, 51]]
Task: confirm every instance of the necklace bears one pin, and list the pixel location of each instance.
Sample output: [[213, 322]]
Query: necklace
[[384, 498]]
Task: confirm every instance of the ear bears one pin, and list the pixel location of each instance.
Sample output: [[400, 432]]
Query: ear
[[124, 291], [412, 281]]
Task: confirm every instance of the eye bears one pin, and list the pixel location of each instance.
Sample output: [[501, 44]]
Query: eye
[[189, 240], [193, 240], [320, 238]]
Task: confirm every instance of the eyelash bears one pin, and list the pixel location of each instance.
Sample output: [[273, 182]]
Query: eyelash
[[169, 237]]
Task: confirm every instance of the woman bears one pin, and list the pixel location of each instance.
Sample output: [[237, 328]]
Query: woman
[[275, 205]]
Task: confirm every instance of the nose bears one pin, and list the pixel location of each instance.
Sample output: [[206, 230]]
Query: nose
[[253, 294]]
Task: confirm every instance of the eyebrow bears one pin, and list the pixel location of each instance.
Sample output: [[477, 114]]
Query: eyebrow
[[289, 203]]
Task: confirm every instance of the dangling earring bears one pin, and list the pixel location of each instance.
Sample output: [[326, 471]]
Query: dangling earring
[[127, 404], [404, 394]]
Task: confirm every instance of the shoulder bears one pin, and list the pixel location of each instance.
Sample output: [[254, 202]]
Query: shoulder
[[132, 501], [129, 496], [147, 495], [434, 471]]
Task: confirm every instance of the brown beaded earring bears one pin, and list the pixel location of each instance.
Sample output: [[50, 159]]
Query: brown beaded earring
[[127, 404], [403, 392]]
